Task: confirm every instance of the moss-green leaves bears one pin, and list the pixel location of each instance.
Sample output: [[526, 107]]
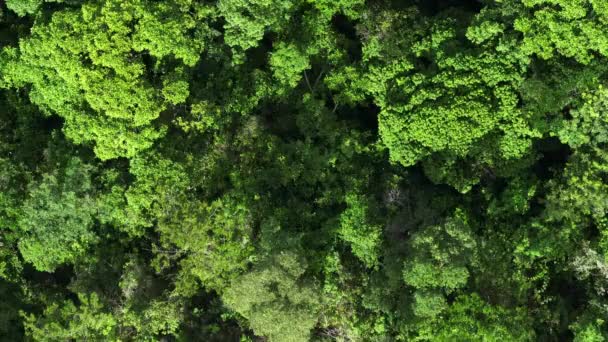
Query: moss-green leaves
[[88, 66]]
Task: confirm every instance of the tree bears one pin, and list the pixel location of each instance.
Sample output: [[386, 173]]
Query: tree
[[356, 228], [438, 263], [442, 89], [57, 220], [248, 20], [303, 170], [88, 66], [66, 321], [216, 239], [273, 296], [472, 319], [23, 7]]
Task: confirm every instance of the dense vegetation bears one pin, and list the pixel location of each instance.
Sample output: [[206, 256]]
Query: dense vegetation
[[304, 170]]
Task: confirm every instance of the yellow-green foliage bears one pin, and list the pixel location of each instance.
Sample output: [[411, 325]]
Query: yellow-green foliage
[[303, 170]]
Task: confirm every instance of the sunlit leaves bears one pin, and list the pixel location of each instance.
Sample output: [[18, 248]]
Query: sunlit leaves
[[273, 296], [88, 66]]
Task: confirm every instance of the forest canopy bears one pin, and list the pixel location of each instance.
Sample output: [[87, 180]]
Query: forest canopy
[[304, 170]]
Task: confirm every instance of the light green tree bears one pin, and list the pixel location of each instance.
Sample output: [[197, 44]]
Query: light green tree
[[439, 261], [274, 296], [87, 66], [66, 321]]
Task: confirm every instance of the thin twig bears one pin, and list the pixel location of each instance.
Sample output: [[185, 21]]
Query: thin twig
[[314, 86], [308, 83]]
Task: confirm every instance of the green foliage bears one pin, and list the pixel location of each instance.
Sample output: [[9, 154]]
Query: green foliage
[[349, 7], [438, 263], [589, 333], [23, 7], [87, 66], [57, 219], [464, 95], [591, 325], [158, 318], [577, 199], [216, 239], [355, 228], [158, 181], [248, 20], [472, 319], [588, 124], [306, 170], [554, 27], [66, 321], [288, 65], [273, 296]]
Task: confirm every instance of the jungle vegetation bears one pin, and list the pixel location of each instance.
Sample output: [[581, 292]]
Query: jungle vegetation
[[304, 170]]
